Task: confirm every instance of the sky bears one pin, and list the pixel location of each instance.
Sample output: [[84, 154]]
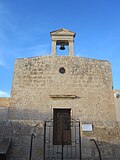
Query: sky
[[25, 27]]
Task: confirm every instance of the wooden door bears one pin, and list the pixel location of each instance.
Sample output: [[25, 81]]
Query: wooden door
[[61, 127]]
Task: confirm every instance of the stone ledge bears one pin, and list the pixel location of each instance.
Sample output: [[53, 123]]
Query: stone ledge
[[63, 96]]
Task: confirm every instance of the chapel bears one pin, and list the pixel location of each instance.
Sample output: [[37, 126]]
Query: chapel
[[61, 107]]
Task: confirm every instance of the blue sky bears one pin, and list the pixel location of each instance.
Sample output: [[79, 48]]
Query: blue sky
[[25, 26]]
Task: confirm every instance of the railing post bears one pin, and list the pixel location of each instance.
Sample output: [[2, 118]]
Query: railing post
[[62, 139], [44, 139], [80, 142], [97, 148], [31, 145]]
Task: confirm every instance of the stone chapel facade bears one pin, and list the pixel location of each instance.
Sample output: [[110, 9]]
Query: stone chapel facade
[[66, 102]]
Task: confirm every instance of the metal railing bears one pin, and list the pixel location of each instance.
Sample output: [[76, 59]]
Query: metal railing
[[62, 151], [98, 149], [31, 145]]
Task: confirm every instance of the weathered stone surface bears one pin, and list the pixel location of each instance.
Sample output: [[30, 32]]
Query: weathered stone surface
[[35, 79], [117, 103], [21, 139], [109, 144], [3, 113], [85, 87], [4, 102], [107, 136]]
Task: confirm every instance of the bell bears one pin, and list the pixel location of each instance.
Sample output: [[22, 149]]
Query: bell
[[62, 47]]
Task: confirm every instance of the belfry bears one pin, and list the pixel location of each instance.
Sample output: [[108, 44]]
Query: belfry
[[62, 38]]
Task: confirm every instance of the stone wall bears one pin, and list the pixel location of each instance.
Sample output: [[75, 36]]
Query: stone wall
[[4, 105], [117, 104], [38, 87], [4, 102], [20, 133], [107, 135]]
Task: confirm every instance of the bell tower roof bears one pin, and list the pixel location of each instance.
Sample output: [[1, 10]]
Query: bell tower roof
[[61, 32], [63, 37]]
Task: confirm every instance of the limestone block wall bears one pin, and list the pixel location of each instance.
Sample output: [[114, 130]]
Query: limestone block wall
[[38, 87], [4, 102], [117, 104], [4, 105], [20, 134], [106, 134]]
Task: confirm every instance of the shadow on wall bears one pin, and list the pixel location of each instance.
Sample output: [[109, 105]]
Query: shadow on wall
[[108, 151], [20, 132], [29, 114]]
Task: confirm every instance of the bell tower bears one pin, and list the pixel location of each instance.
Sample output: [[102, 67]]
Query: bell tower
[[62, 38]]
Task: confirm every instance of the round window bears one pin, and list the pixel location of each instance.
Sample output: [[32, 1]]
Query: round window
[[62, 70]]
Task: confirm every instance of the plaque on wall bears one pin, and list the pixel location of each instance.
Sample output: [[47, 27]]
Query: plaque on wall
[[87, 127]]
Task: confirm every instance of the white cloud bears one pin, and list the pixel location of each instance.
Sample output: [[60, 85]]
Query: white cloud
[[36, 50], [4, 94], [77, 55]]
